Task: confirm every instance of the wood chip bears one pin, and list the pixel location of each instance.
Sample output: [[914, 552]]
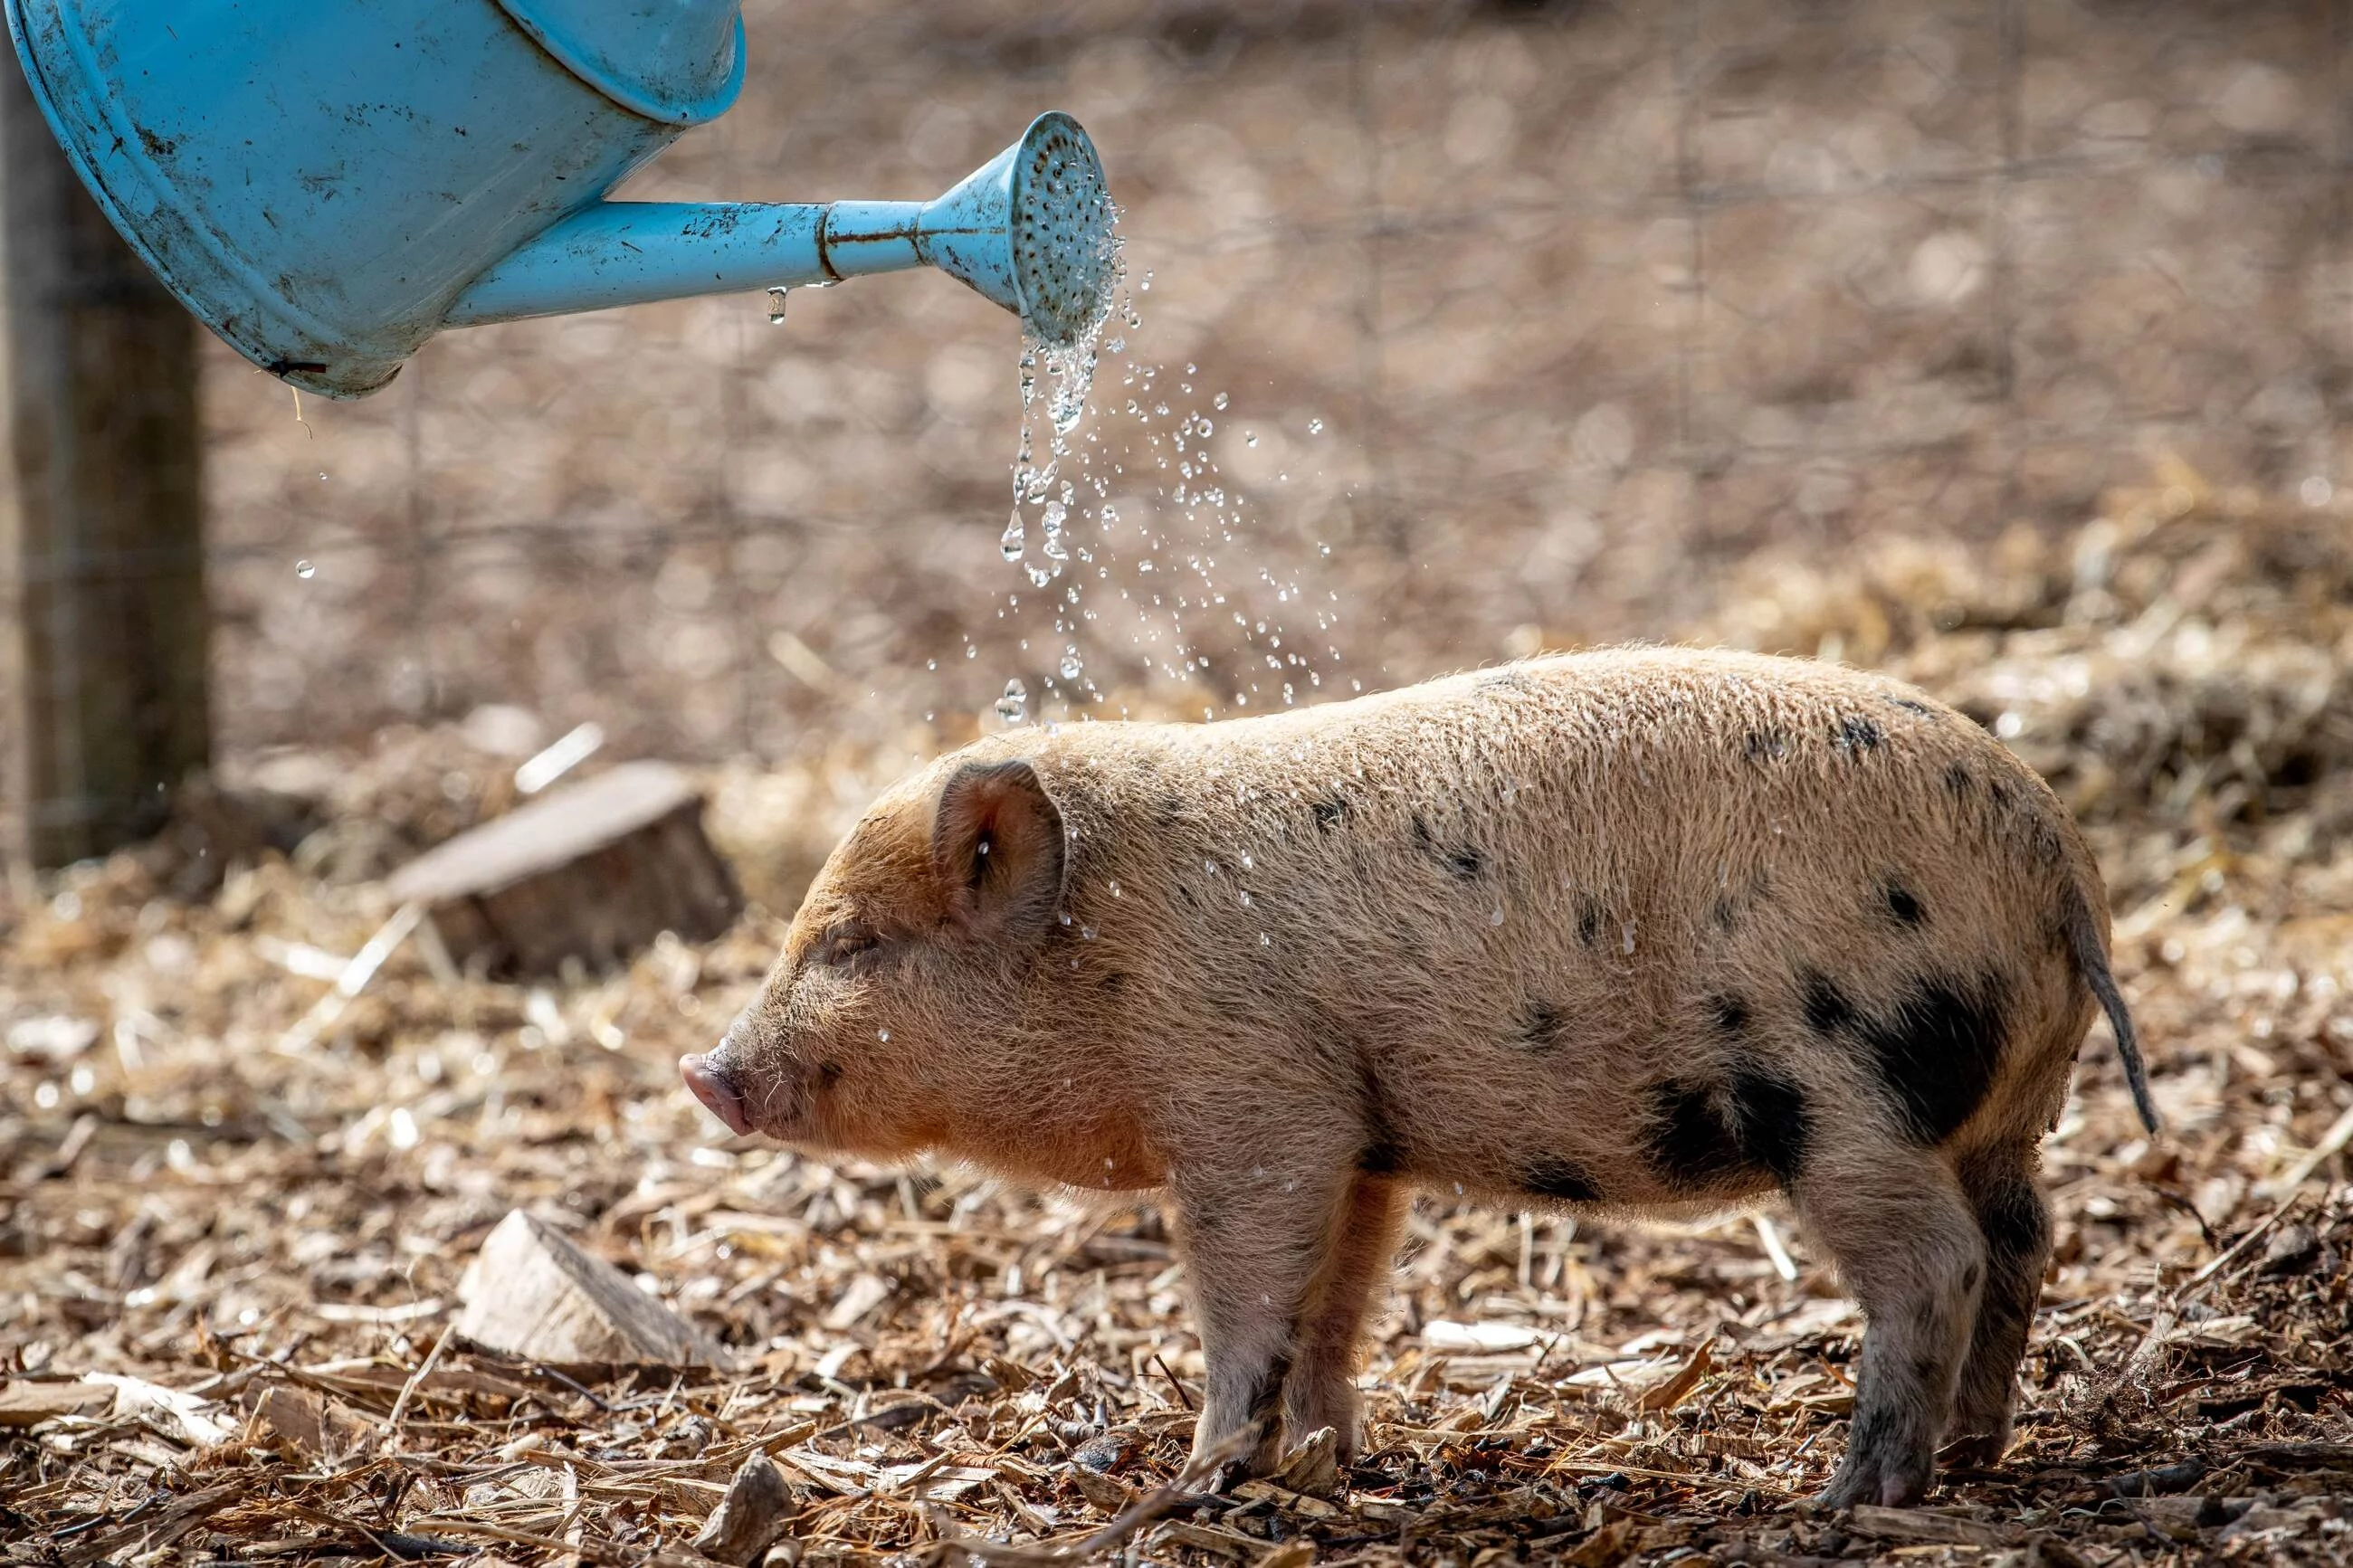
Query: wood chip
[[532, 1293], [24, 1402], [1676, 1389], [756, 1512], [312, 1426], [1922, 1526]]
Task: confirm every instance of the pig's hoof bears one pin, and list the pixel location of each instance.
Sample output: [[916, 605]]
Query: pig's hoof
[[1886, 1480], [1976, 1451]]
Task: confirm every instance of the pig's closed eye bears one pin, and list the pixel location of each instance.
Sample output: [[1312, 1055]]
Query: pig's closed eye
[[844, 947]]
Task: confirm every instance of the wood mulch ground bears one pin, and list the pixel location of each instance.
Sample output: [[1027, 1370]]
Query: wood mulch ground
[[236, 1213]]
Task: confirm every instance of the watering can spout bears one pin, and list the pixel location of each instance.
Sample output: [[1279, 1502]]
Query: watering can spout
[[324, 187], [1030, 229]]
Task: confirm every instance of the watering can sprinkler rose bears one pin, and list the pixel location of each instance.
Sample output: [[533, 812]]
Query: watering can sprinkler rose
[[326, 184]]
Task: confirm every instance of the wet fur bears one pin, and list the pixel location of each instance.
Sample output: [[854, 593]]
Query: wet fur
[[1764, 924]]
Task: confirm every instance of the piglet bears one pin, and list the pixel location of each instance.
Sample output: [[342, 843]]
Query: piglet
[[1635, 933]]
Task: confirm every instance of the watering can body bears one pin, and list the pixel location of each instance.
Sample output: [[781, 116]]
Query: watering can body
[[326, 184]]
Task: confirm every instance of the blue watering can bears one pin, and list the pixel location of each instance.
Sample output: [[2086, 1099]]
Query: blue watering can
[[326, 184]]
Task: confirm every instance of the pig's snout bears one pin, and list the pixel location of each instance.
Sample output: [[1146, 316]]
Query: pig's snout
[[711, 1077]]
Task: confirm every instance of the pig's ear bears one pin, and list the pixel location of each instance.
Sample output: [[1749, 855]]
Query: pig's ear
[[997, 843]]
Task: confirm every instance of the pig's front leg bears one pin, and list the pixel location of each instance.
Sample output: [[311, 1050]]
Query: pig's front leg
[[1255, 1237]]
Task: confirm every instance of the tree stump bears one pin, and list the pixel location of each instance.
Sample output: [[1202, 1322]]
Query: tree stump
[[590, 873]]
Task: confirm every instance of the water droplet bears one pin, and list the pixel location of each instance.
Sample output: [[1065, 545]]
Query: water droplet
[[1315, 426], [776, 307], [881, 1035], [1495, 916], [1210, 866], [1206, 428], [931, 664], [1115, 891], [1010, 543], [1219, 400], [303, 569], [1016, 701], [1071, 665], [1056, 515], [322, 476], [1264, 940], [1625, 936], [1248, 864]]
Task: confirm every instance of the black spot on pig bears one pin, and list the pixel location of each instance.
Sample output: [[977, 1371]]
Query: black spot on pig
[[1911, 706], [1935, 1051], [1186, 893], [1904, 905], [1726, 914], [1827, 1007], [1560, 1179], [1112, 980], [1330, 811], [1465, 863], [1765, 745], [1170, 811], [831, 1072], [1858, 734], [1770, 1121], [1588, 921], [2042, 841], [1701, 1136], [1542, 1028], [1730, 1012], [1687, 1139], [1957, 778]]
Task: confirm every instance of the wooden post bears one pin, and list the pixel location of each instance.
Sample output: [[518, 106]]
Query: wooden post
[[103, 617]]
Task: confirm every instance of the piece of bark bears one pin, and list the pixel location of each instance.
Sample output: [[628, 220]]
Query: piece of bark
[[156, 1530], [592, 872], [751, 1518], [314, 1428], [532, 1294], [24, 1403], [1313, 1467], [1927, 1527]]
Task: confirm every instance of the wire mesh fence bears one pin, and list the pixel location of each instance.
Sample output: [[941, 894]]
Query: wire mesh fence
[[1530, 321]]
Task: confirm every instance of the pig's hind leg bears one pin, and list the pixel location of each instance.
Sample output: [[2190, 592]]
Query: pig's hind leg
[[1322, 1389], [2015, 1222], [1257, 1238], [1908, 1246]]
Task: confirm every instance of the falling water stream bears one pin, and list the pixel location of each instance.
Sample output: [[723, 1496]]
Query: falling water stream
[[1119, 504]]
